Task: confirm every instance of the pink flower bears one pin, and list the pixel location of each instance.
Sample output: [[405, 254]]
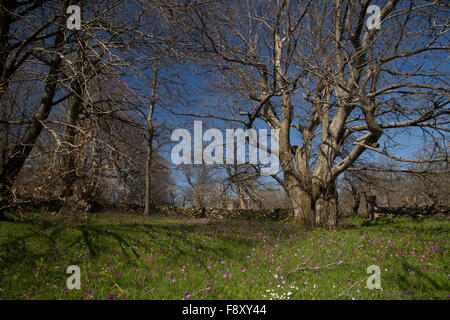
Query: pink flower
[[226, 275], [242, 269], [187, 295]]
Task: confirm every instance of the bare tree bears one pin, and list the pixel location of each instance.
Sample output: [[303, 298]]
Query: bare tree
[[202, 185], [151, 132], [65, 68], [315, 69]]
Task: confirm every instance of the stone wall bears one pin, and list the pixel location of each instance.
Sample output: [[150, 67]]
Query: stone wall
[[216, 213]]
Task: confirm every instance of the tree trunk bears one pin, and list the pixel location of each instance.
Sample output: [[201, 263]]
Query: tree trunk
[[241, 198], [311, 212], [148, 179], [301, 203], [73, 112], [151, 129], [356, 203], [372, 203], [327, 208]]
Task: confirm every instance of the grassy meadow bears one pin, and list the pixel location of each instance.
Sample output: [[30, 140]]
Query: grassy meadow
[[128, 257]]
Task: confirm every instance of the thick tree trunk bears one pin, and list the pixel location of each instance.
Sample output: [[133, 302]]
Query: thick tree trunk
[[310, 212], [327, 208], [301, 203]]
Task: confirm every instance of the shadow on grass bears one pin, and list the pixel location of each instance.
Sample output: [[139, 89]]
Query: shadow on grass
[[57, 243], [420, 281], [417, 225]]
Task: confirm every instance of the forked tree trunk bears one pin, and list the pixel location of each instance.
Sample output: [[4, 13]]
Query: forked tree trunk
[[311, 212]]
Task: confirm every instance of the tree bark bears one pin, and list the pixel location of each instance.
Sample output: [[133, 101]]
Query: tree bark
[[151, 129], [327, 208], [148, 179], [314, 210], [70, 133], [302, 205]]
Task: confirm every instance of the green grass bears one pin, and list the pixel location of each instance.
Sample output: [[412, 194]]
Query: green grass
[[132, 258]]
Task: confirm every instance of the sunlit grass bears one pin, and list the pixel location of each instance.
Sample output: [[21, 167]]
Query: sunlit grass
[[128, 257]]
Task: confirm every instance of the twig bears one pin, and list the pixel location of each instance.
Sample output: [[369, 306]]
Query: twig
[[318, 267], [352, 286]]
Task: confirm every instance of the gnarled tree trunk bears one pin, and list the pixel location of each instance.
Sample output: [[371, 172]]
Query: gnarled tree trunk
[[326, 208], [302, 206], [320, 210]]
